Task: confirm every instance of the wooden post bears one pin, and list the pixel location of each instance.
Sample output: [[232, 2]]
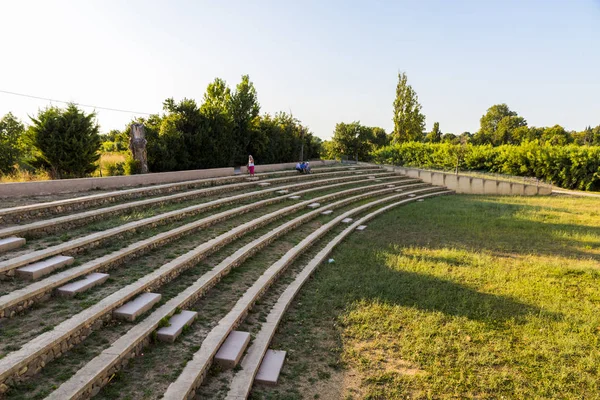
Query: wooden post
[[137, 146]]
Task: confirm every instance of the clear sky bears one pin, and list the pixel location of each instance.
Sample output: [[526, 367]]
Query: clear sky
[[326, 61]]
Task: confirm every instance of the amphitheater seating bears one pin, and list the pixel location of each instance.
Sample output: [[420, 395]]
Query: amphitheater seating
[[351, 191]]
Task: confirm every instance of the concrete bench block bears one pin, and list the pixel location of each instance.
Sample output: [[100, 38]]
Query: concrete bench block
[[10, 243], [42, 268], [252, 179], [327, 212], [294, 197], [270, 367], [411, 195], [371, 177], [231, 351], [361, 227], [264, 184], [347, 220], [71, 289], [390, 186], [176, 324], [284, 191], [420, 200], [314, 205], [130, 311], [399, 190]]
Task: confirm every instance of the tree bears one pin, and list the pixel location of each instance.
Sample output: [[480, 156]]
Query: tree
[[11, 142], [409, 122], [380, 138], [66, 140], [435, 136], [352, 140], [497, 126], [556, 135], [244, 110]]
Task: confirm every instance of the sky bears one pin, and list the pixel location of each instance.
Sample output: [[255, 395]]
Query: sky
[[325, 61]]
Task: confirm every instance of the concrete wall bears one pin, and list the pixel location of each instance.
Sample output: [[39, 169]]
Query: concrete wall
[[471, 185], [114, 182]]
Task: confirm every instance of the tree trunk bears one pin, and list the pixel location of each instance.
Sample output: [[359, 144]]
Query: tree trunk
[[137, 146]]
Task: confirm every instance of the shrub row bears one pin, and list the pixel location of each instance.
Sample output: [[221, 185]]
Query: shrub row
[[570, 167]]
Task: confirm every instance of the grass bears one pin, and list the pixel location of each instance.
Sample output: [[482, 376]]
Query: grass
[[455, 297], [24, 176], [109, 158]]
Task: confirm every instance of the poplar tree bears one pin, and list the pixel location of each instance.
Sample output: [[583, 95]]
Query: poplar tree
[[409, 122]]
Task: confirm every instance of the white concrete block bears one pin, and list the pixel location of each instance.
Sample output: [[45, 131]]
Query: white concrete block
[[284, 191], [361, 227], [314, 205], [327, 212], [264, 184], [391, 186], [130, 311], [420, 200], [176, 324], [371, 176], [294, 197], [231, 351], [270, 367], [93, 279], [10, 243], [347, 220], [399, 190], [411, 195], [45, 267]]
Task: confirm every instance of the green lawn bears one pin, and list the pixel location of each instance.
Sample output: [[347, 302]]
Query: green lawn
[[456, 297]]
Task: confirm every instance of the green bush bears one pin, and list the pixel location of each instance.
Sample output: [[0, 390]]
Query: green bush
[[132, 167], [571, 166], [115, 169]]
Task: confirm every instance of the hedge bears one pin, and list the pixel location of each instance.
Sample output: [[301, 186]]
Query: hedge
[[570, 167]]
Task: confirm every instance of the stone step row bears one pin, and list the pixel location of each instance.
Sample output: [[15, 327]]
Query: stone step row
[[23, 298], [86, 379], [253, 362], [41, 347], [21, 213], [195, 370], [54, 224], [96, 238]]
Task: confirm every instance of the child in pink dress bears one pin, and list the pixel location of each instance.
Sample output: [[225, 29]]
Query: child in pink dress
[[251, 166]]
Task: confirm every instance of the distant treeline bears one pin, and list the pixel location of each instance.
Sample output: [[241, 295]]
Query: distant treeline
[[220, 132], [503, 144]]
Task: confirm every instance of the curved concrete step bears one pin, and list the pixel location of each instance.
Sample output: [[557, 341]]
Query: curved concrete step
[[86, 378], [26, 296], [242, 381], [53, 224], [30, 353], [95, 238], [20, 213], [195, 369]]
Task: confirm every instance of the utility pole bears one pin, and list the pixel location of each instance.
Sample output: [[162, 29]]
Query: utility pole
[[301, 144]]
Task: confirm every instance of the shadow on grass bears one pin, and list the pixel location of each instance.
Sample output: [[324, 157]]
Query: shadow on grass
[[486, 224]]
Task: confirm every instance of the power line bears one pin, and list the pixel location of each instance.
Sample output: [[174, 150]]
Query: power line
[[71, 102]]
